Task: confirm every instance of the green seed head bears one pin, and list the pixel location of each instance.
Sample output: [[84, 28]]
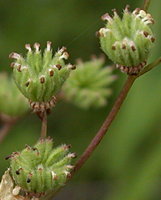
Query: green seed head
[[127, 41], [12, 102], [88, 85], [42, 168], [40, 75]]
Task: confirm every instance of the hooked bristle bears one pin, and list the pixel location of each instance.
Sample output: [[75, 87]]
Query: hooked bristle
[[28, 47], [49, 46], [37, 46]]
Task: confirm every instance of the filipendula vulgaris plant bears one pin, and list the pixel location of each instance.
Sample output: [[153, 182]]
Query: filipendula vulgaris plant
[[12, 102], [88, 86], [41, 169], [127, 41], [40, 76]]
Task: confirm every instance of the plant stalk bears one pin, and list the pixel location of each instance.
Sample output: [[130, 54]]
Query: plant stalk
[[44, 125], [108, 121], [5, 130], [146, 4]]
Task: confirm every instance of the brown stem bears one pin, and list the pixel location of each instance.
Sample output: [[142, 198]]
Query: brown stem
[[111, 116], [150, 67], [5, 129], [44, 125], [146, 4]]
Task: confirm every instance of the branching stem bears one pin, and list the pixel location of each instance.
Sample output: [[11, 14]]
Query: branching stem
[[146, 4], [111, 116], [150, 66], [5, 130], [7, 124]]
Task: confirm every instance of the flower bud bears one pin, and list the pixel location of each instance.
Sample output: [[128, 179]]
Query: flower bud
[[88, 85], [39, 76], [127, 41], [41, 169]]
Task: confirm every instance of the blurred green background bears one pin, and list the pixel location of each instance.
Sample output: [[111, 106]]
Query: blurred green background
[[127, 164]]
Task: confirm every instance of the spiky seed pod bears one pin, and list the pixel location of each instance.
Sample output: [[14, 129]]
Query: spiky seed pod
[[39, 76], [12, 102], [42, 168], [88, 85], [127, 41]]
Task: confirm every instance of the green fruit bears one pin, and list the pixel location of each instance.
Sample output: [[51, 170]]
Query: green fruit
[[127, 41], [39, 76], [88, 86], [42, 168]]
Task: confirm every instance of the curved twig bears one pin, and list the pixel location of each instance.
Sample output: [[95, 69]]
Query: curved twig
[[105, 126]]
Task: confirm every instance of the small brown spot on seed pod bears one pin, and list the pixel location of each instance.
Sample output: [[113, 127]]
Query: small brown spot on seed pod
[[19, 68], [28, 147], [17, 172], [58, 66], [123, 46], [133, 48], [27, 83], [51, 72], [145, 33], [28, 180], [42, 79], [113, 47], [152, 39], [73, 67], [66, 147]]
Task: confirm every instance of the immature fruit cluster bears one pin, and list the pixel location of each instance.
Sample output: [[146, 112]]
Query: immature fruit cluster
[[41, 169], [127, 41], [39, 76], [12, 102], [88, 85]]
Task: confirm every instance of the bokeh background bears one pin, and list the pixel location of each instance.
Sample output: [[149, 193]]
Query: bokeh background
[[127, 163]]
